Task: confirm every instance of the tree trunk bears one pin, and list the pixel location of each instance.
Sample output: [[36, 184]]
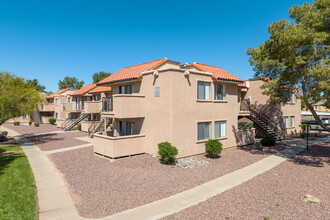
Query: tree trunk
[[316, 117]]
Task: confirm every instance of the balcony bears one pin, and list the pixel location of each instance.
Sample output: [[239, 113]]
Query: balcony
[[92, 107], [244, 109], [72, 107], [124, 106], [47, 108], [121, 146]]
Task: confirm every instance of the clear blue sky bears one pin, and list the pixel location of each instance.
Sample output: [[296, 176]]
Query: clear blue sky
[[49, 40]]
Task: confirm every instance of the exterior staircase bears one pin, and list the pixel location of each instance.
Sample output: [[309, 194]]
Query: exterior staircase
[[71, 123], [266, 124], [95, 127]]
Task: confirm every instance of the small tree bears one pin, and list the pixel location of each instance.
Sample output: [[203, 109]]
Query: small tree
[[97, 77], [36, 84], [70, 83], [17, 97], [167, 152], [213, 147]]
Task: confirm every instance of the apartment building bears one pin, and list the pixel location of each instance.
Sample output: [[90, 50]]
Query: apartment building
[[61, 98]]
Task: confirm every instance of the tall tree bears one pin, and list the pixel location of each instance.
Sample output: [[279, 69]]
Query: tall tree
[[70, 83], [36, 84], [97, 77], [296, 57], [17, 97]]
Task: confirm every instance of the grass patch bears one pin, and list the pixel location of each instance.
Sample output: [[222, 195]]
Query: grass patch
[[18, 194]]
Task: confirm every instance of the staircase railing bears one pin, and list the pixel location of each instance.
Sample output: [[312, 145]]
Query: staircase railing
[[245, 105], [94, 127], [68, 120], [268, 121], [76, 121]]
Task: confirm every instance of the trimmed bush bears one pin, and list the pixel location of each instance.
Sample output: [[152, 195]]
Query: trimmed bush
[[304, 128], [245, 125], [259, 146], [302, 134], [36, 124], [4, 133], [16, 123], [52, 121], [268, 140], [213, 147], [167, 153], [79, 127], [30, 122]]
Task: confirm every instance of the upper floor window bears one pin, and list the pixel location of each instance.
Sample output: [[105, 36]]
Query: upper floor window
[[220, 92], [292, 98], [97, 97], [56, 101], [292, 121], [69, 99], [204, 90], [125, 89], [286, 122]]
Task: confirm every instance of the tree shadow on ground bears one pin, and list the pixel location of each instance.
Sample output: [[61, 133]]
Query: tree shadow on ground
[[316, 156], [42, 139], [266, 150], [6, 159], [8, 141]]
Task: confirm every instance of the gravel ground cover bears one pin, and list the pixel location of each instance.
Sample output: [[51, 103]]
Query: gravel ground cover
[[101, 188], [26, 129], [276, 194], [56, 141]]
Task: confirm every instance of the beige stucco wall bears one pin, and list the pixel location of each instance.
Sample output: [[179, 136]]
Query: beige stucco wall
[[276, 112], [173, 116]]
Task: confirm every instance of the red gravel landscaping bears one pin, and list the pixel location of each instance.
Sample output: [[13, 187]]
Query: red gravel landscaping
[[57, 140], [276, 194], [31, 129], [101, 188]]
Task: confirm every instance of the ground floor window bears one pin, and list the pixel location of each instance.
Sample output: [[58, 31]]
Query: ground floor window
[[286, 122], [292, 121], [126, 128], [220, 129], [56, 115], [203, 130]]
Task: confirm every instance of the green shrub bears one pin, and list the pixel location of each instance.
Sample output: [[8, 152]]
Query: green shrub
[[4, 133], [52, 121], [302, 134], [245, 125], [213, 147], [16, 123], [259, 146], [79, 127], [36, 124], [167, 153], [268, 140], [30, 122], [304, 128]]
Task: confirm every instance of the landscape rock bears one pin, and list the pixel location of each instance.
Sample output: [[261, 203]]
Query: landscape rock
[[311, 199], [190, 162]]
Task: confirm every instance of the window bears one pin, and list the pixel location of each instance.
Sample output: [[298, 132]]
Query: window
[[126, 128], [125, 89], [56, 101], [69, 99], [204, 130], [56, 115], [292, 98], [286, 122], [157, 92], [220, 129], [26, 116], [97, 97], [204, 90], [292, 121], [220, 92]]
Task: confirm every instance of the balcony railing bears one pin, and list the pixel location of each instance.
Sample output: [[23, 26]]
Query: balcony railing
[[245, 105], [47, 107], [72, 106], [92, 106]]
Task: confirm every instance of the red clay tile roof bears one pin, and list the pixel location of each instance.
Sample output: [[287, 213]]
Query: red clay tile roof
[[51, 96], [217, 72], [132, 72], [100, 89], [242, 85], [84, 89]]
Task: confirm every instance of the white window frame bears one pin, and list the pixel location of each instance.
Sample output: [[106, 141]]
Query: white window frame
[[292, 98], [205, 93], [220, 131], [56, 101], [202, 125], [286, 121], [222, 95]]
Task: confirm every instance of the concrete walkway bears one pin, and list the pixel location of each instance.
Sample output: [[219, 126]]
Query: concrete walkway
[[55, 201]]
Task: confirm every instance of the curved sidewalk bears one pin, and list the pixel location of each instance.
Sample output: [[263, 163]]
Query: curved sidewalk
[[55, 201]]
